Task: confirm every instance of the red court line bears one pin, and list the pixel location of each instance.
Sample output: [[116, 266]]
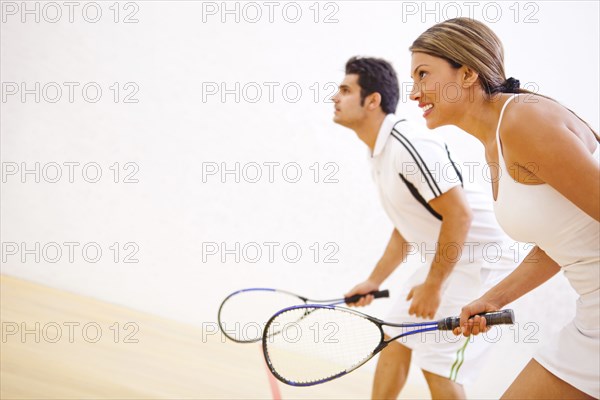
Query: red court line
[[275, 393]]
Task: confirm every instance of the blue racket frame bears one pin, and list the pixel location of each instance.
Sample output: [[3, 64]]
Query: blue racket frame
[[425, 327]]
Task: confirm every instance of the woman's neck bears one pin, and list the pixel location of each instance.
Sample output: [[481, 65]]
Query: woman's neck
[[480, 117]]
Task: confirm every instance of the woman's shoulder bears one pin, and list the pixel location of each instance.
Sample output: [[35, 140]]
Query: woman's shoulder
[[525, 108], [530, 118], [535, 124]]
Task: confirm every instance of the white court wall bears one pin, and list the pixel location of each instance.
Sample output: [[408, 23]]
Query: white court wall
[[185, 88]]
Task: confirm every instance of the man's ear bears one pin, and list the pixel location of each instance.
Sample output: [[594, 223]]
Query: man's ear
[[468, 76], [373, 101]]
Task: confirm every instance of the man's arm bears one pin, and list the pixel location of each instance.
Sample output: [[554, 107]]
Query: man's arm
[[456, 221], [395, 253]]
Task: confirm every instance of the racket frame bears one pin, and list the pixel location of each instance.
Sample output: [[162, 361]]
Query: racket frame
[[305, 300], [427, 326]]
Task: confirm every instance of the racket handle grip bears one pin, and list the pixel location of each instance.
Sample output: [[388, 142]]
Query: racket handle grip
[[376, 293], [491, 318]]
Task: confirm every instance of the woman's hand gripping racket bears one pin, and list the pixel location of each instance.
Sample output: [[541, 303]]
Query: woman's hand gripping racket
[[319, 343], [244, 313]]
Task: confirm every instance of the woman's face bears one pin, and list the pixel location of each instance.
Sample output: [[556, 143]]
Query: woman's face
[[438, 88]]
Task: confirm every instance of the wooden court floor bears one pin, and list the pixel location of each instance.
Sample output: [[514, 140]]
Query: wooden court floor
[[58, 345]]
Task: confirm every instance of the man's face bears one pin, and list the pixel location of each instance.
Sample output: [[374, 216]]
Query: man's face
[[348, 111]]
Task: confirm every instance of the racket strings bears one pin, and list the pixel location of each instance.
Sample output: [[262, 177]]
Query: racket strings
[[320, 344]]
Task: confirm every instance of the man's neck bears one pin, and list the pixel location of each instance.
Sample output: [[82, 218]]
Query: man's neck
[[368, 131]]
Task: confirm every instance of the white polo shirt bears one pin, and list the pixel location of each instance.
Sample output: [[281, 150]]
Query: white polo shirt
[[411, 167]]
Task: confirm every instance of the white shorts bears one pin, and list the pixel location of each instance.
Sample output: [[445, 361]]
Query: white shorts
[[574, 355], [441, 352]]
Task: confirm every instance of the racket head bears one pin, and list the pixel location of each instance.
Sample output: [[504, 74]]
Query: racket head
[[244, 313], [311, 344]]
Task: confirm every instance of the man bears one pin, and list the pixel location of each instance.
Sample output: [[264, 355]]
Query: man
[[449, 222]]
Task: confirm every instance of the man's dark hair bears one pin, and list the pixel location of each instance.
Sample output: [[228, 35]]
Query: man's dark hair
[[376, 75]]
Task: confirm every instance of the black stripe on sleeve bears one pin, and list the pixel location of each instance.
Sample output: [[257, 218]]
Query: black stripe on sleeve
[[454, 166], [424, 170], [413, 190], [394, 127], [424, 165]]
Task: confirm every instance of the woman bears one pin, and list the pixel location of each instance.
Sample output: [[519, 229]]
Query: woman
[[544, 162]]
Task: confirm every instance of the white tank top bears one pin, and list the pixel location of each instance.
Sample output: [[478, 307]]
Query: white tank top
[[540, 214]]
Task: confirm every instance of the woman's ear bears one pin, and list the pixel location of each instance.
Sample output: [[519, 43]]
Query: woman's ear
[[469, 77]]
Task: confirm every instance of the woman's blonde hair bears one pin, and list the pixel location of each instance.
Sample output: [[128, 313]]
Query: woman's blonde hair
[[465, 41]]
